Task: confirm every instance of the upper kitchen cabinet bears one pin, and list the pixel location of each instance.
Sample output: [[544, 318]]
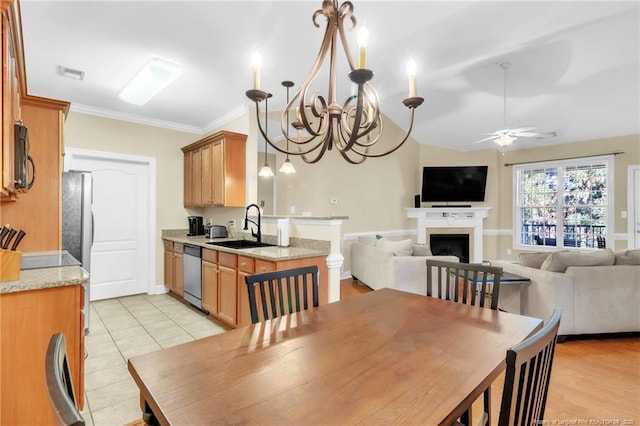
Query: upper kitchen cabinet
[[214, 171], [12, 86]]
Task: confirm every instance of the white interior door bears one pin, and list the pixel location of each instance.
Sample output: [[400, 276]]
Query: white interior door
[[121, 253]]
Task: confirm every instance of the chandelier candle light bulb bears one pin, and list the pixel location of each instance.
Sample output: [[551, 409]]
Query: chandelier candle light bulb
[[363, 40], [411, 72], [257, 64]]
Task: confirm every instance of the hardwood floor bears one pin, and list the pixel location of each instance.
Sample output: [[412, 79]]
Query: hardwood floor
[[594, 381]]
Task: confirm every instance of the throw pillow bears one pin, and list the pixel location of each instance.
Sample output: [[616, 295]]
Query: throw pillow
[[533, 260], [559, 261], [421, 250], [628, 257], [398, 248]]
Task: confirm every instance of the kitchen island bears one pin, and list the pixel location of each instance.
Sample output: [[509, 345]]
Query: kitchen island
[[224, 291], [40, 303]]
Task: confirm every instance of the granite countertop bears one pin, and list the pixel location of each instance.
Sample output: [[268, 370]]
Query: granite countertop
[[300, 248], [37, 279]]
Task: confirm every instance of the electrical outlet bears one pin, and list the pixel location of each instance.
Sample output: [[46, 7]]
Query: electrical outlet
[[232, 223], [292, 209]]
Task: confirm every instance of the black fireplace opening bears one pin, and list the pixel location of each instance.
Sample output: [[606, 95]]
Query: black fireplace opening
[[450, 245]]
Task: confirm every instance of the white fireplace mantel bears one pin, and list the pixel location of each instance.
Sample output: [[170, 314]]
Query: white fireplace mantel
[[451, 217]]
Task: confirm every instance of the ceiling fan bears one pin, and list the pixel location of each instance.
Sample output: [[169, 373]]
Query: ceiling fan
[[506, 135]]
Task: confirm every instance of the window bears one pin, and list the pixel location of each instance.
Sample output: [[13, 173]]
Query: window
[[564, 203]]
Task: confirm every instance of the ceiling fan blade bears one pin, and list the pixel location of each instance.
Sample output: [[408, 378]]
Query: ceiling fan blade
[[486, 139], [539, 135], [522, 129]]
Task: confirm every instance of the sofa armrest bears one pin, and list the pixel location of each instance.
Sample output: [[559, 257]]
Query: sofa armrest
[[370, 265], [409, 273]]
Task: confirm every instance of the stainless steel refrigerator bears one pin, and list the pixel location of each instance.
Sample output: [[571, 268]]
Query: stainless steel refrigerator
[[77, 223]]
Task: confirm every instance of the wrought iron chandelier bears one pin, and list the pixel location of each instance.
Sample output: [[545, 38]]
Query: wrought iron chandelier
[[321, 123]]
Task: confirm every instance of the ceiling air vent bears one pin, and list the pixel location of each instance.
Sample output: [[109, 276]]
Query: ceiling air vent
[[70, 73]]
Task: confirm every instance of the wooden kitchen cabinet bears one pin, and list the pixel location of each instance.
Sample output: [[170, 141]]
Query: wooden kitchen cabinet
[[173, 268], [214, 171], [188, 187], [28, 319], [12, 65], [228, 294], [210, 281]]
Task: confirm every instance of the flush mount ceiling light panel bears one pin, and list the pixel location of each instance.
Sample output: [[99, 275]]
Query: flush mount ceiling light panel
[[155, 76], [70, 73]]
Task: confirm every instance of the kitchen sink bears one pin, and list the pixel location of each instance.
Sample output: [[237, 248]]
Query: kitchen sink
[[240, 244]]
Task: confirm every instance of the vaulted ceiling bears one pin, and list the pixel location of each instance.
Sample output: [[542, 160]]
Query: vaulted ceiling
[[574, 65]]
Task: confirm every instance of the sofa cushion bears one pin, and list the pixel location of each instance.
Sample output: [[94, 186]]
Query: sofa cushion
[[559, 261], [628, 257], [421, 250], [398, 248], [533, 260]]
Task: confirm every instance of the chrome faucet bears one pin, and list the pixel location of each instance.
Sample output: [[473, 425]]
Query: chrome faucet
[[258, 234]]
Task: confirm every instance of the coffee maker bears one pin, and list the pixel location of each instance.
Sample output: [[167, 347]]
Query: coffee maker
[[196, 227]]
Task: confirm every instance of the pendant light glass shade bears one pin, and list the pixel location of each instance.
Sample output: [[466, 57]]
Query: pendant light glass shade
[[265, 171], [287, 167]]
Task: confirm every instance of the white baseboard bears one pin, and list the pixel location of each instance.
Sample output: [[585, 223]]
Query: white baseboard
[[159, 289]]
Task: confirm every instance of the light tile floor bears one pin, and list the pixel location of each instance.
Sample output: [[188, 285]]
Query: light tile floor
[[125, 327]]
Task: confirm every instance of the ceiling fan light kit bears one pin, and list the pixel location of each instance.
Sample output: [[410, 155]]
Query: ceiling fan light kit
[[322, 123]]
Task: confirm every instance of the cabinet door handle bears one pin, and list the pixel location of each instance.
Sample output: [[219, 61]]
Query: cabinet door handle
[[262, 268]]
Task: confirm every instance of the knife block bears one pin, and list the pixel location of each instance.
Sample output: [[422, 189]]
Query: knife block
[[10, 265]]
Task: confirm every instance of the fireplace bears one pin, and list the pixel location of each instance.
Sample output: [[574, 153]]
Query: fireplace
[[450, 245], [452, 221]]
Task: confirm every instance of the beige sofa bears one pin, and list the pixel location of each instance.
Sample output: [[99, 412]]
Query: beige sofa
[[601, 298], [393, 264]]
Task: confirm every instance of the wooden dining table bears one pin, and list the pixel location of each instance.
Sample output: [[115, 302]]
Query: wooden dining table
[[384, 357]]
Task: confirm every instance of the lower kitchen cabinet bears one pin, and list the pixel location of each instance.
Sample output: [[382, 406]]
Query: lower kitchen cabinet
[[28, 319], [224, 290], [210, 281], [173, 268]]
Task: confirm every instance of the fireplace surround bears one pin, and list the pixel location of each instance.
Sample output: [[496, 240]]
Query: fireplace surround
[[453, 221]]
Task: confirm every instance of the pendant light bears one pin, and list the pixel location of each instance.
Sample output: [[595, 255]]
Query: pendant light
[[287, 166], [266, 171]]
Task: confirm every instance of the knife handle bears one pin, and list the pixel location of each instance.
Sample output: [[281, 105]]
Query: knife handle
[[19, 238], [5, 245]]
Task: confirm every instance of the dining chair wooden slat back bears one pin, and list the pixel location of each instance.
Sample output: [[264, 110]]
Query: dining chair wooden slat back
[[282, 292], [528, 374], [468, 283], [59, 383]]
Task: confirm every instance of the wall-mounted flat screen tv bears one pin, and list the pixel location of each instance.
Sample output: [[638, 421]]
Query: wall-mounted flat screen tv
[[453, 183]]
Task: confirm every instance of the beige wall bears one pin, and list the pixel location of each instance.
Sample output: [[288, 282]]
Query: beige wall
[[373, 195], [499, 195], [108, 135]]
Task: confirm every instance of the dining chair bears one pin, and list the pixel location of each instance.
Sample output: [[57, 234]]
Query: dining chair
[[282, 292], [60, 384], [527, 377], [467, 283]]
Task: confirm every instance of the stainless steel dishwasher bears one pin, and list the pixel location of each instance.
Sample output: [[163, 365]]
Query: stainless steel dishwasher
[[192, 261]]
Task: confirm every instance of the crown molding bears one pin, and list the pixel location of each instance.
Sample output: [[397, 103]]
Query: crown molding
[[133, 118]]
